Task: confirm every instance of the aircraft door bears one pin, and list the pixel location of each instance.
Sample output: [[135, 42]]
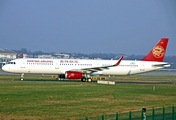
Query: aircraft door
[[98, 64], [57, 64], [23, 63], [142, 66]]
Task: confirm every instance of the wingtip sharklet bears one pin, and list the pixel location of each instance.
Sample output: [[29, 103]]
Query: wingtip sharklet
[[119, 61]]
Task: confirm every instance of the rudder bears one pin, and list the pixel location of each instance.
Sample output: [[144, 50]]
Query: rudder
[[158, 52]]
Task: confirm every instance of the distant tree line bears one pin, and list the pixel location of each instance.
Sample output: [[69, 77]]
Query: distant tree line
[[25, 51], [106, 56]]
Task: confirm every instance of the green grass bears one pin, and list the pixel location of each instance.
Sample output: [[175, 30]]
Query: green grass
[[40, 97]]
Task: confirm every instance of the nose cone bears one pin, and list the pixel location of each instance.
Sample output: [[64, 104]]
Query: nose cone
[[4, 68]]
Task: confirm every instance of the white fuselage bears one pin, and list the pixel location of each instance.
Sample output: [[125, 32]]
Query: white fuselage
[[60, 66]]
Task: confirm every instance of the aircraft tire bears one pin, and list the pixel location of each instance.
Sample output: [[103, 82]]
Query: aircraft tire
[[89, 80], [83, 79]]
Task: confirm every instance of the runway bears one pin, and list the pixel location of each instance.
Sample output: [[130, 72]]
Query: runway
[[158, 73], [125, 82], [150, 73], [7, 73]]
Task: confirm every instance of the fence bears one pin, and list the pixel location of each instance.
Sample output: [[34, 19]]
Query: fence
[[167, 113]]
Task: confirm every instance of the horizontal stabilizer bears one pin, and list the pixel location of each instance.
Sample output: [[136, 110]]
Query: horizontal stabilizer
[[162, 65]]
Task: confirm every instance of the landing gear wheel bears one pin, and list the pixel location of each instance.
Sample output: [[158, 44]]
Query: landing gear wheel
[[89, 80], [22, 77], [83, 80]]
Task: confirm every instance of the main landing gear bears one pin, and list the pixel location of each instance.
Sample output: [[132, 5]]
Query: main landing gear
[[86, 80]]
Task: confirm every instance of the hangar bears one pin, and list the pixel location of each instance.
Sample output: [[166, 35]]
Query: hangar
[[6, 56]]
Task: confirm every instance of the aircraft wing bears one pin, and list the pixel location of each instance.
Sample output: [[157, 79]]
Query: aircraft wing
[[95, 69]]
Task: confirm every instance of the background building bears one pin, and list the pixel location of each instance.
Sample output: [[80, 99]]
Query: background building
[[6, 56], [5, 53], [63, 56]]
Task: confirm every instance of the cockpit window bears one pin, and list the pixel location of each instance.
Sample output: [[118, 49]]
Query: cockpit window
[[12, 63]]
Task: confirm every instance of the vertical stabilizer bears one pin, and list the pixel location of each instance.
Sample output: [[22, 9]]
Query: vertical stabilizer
[[158, 52]]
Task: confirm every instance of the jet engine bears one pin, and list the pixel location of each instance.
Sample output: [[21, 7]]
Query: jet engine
[[71, 75]]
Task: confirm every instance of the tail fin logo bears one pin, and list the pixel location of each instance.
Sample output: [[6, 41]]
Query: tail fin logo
[[158, 51]]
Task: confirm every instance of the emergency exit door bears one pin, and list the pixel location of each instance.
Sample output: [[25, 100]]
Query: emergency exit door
[[142, 66], [57, 64], [23, 63]]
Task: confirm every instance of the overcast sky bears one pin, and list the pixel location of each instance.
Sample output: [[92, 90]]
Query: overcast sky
[[88, 26]]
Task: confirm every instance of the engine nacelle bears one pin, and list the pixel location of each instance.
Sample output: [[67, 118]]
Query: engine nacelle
[[73, 75]]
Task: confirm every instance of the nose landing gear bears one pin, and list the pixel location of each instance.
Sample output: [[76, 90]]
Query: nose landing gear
[[22, 76]]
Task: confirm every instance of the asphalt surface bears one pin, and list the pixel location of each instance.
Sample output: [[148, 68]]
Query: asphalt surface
[[149, 73], [7, 73], [155, 73]]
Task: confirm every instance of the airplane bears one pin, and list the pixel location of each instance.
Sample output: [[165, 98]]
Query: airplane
[[84, 69]]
